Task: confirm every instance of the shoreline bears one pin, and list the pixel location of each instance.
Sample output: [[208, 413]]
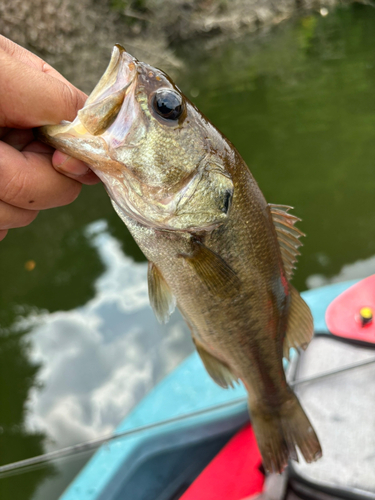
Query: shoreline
[[77, 38]]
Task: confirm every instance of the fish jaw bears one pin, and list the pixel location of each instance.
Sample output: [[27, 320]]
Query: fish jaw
[[88, 136], [109, 112]]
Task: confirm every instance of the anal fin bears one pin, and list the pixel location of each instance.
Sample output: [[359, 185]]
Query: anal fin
[[161, 297], [213, 271], [218, 370], [300, 324]]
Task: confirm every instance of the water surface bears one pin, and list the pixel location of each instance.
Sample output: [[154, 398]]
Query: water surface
[[79, 345]]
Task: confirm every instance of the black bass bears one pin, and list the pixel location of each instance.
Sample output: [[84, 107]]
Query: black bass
[[215, 247]]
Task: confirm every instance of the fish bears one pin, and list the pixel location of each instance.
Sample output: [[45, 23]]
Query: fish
[[215, 248]]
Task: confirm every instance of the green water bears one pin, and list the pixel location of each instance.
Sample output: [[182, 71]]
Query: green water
[[299, 105]]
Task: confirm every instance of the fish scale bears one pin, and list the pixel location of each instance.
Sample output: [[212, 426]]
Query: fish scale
[[215, 247]]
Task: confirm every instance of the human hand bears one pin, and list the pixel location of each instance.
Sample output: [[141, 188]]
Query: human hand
[[32, 176]]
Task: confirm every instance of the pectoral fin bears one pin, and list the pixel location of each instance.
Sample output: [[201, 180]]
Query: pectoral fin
[[218, 370], [214, 272], [161, 297], [300, 324]]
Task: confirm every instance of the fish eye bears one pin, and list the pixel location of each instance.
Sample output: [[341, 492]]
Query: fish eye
[[168, 104]]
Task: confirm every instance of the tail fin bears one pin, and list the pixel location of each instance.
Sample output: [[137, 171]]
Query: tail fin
[[278, 432]]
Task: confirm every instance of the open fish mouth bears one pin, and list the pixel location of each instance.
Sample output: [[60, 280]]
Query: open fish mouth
[[106, 103]]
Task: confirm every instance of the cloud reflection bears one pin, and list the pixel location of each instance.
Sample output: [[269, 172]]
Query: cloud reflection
[[99, 360], [357, 270]]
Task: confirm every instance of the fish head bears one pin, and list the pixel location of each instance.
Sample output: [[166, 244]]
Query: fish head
[[160, 160]]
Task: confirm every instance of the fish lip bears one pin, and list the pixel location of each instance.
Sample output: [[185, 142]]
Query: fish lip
[[120, 60], [121, 74]]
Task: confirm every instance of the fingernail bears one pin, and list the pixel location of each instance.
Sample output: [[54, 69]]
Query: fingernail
[[69, 165]]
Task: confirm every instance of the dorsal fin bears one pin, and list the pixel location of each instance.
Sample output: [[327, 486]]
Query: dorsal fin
[[287, 235]]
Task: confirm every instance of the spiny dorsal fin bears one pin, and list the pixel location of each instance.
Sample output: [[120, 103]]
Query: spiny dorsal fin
[[214, 272], [287, 235], [218, 370], [161, 297], [300, 327]]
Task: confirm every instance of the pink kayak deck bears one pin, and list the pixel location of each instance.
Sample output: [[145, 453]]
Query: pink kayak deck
[[343, 316], [234, 474]]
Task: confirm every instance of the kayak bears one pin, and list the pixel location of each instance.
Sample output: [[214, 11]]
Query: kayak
[[189, 439]]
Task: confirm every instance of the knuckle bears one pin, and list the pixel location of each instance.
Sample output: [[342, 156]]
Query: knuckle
[[16, 188]]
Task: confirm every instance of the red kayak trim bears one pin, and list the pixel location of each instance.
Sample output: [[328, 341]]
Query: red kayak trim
[[233, 474]]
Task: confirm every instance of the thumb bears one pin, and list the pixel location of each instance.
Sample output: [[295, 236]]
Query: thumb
[[34, 98]]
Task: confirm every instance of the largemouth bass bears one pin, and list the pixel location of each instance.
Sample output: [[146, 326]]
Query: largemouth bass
[[215, 247]]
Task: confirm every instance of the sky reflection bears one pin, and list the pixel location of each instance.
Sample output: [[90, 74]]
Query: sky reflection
[[99, 360]]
